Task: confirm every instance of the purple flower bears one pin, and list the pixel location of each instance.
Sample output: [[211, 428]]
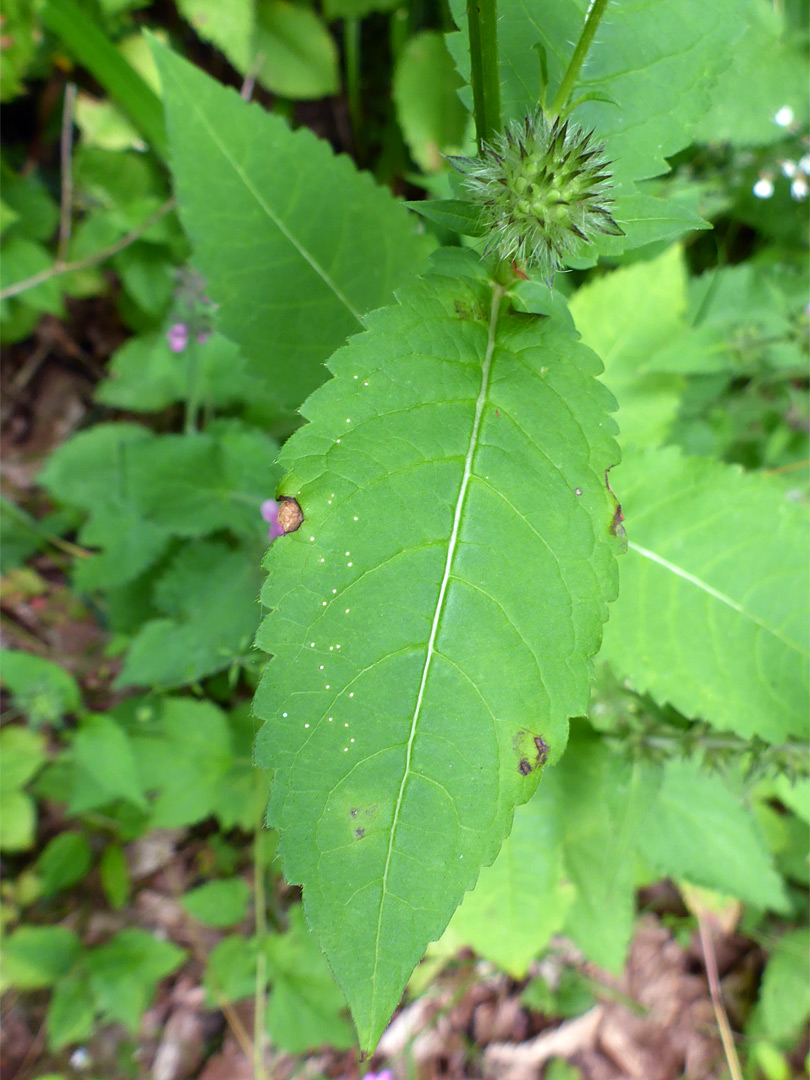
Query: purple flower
[[177, 337], [386, 1074], [269, 511]]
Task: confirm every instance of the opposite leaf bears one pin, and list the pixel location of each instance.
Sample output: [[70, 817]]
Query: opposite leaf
[[434, 614], [712, 615]]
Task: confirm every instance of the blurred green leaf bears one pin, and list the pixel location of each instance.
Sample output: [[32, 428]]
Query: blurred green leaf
[[230, 27], [22, 754], [146, 376], [71, 1012], [64, 861], [627, 316], [218, 903], [186, 764], [784, 1000], [230, 973], [698, 830], [209, 594], [522, 899], [84, 38], [297, 246], [123, 973], [103, 751], [305, 1006], [600, 800], [19, 45], [37, 956], [425, 89], [712, 610], [114, 875], [42, 690], [300, 55], [768, 70]]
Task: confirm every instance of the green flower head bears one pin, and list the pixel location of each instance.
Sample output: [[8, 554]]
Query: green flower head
[[544, 191]]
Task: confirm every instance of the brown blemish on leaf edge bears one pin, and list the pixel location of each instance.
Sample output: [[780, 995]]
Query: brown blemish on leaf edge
[[290, 514]]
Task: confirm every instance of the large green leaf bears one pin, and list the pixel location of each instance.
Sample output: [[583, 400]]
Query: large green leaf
[[600, 798], [627, 317], [651, 64], [434, 615], [712, 615], [522, 899], [296, 244], [699, 830]]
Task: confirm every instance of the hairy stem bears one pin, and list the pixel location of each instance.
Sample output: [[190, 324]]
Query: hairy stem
[[482, 22], [595, 14]]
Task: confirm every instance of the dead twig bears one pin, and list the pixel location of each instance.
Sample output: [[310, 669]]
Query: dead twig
[[60, 268], [66, 147]]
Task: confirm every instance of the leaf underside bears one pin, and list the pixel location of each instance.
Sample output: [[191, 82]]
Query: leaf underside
[[433, 616]]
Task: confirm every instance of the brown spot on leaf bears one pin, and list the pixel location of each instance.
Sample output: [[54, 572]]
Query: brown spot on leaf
[[542, 749], [616, 527], [524, 768], [359, 833], [354, 813], [290, 515]]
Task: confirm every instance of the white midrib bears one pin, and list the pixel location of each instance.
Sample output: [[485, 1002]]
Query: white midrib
[[305, 254], [709, 590], [497, 296]]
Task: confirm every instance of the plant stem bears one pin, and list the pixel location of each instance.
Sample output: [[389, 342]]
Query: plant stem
[[595, 14], [260, 916], [66, 215], [351, 41], [482, 22]]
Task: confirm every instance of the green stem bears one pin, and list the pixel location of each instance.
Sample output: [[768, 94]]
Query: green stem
[[351, 41], [482, 22], [193, 402], [580, 52], [260, 915]]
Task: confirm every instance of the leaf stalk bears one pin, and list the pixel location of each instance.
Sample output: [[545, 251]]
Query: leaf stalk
[[592, 21]]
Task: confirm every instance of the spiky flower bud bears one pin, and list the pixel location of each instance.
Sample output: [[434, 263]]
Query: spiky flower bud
[[544, 191]]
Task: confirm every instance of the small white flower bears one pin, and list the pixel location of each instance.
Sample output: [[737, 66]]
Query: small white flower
[[763, 188], [789, 168], [784, 117], [799, 187], [804, 164]]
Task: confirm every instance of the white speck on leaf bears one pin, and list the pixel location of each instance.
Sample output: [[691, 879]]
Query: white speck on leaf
[[784, 116], [351, 693]]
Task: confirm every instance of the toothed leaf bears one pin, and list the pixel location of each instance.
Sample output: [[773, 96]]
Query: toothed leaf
[[433, 616]]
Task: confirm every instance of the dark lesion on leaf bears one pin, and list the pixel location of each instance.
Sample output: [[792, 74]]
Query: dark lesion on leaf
[[542, 749], [290, 515], [360, 833], [524, 768]]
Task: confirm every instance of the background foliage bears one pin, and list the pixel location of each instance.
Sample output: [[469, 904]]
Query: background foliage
[[242, 226]]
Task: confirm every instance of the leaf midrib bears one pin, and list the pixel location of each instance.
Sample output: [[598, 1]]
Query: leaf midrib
[[486, 368], [304, 252], [716, 594]]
